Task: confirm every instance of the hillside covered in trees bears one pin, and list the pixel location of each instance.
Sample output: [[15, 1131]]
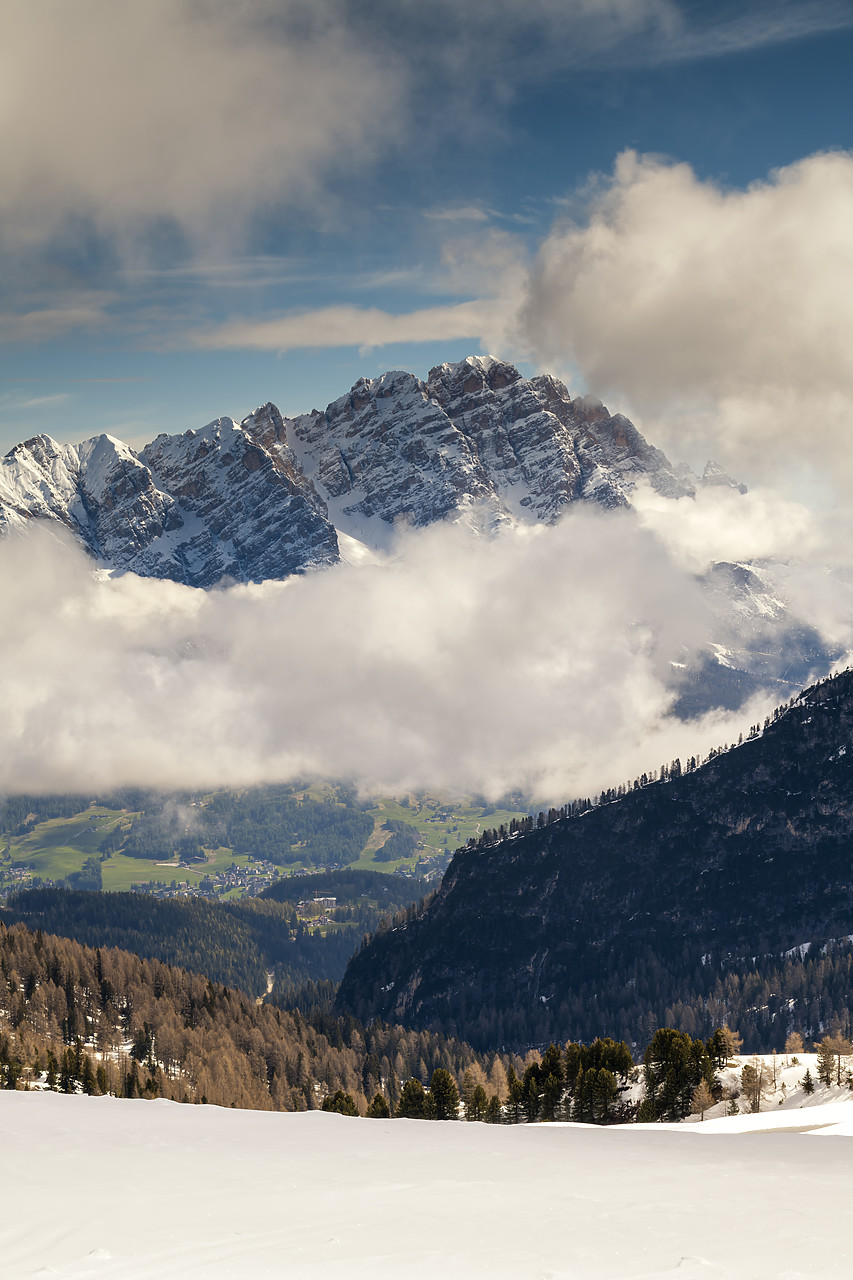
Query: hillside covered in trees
[[713, 893], [238, 943], [104, 1020]]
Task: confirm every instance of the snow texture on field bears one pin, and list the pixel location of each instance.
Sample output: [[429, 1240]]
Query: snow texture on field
[[137, 1190]]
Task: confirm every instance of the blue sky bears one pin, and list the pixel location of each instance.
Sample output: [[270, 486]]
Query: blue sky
[[211, 205]]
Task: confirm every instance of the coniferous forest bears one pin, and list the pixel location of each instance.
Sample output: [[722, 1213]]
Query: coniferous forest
[[239, 943], [675, 906]]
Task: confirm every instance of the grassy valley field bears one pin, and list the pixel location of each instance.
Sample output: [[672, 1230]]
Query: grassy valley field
[[40, 845]]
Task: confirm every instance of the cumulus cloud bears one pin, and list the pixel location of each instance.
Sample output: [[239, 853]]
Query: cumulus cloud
[[711, 314], [198, 112], [540, 659]]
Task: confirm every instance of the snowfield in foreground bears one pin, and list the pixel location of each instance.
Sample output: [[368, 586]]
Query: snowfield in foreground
[[106, 1188]]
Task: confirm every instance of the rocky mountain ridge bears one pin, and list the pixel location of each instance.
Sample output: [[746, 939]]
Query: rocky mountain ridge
[[475, 443], [265, 498]]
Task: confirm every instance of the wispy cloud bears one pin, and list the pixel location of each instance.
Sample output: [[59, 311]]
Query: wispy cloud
[[341, 326], [42, 324], [461, 213], [757, 27], [41, 402]]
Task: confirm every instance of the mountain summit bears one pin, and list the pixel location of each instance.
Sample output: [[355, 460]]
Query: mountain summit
[[476, 443], [264, 498]]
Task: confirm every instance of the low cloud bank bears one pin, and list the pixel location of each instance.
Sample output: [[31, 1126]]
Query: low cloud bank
[[539, 660]]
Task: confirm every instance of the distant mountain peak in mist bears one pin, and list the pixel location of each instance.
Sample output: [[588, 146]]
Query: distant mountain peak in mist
[[476, 443]]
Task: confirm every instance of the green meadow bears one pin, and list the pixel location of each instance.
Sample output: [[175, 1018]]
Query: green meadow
[[58, 846]]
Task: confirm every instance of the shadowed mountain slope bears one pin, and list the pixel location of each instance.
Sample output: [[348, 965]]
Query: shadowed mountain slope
[[605, 918]]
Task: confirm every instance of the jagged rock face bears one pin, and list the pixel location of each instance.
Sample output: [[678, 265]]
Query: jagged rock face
[[261, 499], [476, 439], [386, 452], [609, 913], [197, 508], [250, 513], [99, 490]]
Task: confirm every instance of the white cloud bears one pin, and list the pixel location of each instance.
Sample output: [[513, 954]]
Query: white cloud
[[461, 213], [39, 324], [715, 316], [195, 111], [343, 325], [200, 113], [722, 524], [539, 659]]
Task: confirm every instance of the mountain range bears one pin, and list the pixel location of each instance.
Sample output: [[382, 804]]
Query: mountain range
[[269, 496], [476, 442]]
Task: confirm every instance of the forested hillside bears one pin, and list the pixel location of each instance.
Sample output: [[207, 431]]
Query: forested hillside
[[104, 1020], [238, 943], [674, 902]]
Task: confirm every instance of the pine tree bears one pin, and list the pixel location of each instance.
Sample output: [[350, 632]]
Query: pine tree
[[378, 1109], [825, 1060], [515, 1096], [413, 1101], [475, 1107], [443, 1096], [493, 1110], [341, 1103]]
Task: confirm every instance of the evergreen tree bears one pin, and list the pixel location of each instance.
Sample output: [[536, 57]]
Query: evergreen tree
[[825, 1060], [515, 1096], [378, 1109], [605, 1093], [443, 1096], [87, 1077], [341, 1103], [552, 1078], [532, 1091], [413, 1101], [673, 1066], [477, 1103]]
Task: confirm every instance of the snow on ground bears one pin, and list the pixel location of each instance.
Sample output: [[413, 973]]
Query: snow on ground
[[784, 1090], [100, 1187]]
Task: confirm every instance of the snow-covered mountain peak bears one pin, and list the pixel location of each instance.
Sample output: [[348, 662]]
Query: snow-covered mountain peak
[[475, 442]]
